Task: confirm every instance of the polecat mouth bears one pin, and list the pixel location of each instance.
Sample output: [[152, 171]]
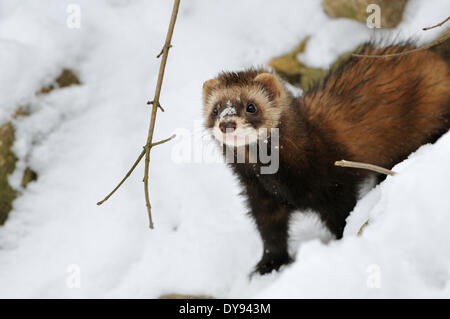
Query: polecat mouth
[[237, 137]]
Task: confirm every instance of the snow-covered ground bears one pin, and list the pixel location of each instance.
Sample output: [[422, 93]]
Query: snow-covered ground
[[81, 140]]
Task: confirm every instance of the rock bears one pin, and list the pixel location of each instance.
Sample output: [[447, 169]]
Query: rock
[[295, 72], [310, 76], [391, 10], [299, 74], [65, 79], [8, 159], [28, 176], [288, 65], [21, 111], [7, 165]]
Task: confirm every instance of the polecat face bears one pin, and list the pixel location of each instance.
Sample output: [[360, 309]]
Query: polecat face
[[241, 107]]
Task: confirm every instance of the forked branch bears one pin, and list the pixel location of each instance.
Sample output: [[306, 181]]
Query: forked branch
[[155, 106]]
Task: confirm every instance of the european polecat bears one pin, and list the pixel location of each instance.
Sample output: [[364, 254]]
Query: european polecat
[[375, 111]]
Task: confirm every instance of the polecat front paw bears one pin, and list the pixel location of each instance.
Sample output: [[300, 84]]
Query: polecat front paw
[[269, 263]]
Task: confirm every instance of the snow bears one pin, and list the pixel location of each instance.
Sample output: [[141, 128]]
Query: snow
[[229, 110], [81, 140], [406, 242]]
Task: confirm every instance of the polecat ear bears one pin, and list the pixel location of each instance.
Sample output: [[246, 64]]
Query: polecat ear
[[271, 83], [208, 86]]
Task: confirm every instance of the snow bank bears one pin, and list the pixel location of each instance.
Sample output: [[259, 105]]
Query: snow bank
[[402, 253], [81, 140]]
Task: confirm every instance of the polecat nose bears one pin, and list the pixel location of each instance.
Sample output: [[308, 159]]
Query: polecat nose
[[227, 126]]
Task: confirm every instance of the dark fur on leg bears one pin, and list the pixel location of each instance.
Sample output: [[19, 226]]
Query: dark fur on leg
[[272, 218]]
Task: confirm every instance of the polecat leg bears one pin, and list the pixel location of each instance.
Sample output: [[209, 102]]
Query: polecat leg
[[336, 214], [272, 218]]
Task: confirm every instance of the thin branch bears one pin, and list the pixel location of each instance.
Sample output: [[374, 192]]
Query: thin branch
[[156, 105], [133, 167], [425, 47], [437, 25], [162, 51], [360, 231], [159, 105], [148, 146], [369, 167], [124, 179], [164, 141]]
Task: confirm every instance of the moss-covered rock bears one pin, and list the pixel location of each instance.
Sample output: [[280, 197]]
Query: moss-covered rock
[[65, 79], [28, 176], [297, 73], [7, 166], [8, 159], [288, 65], [294, 71], [391, 10]]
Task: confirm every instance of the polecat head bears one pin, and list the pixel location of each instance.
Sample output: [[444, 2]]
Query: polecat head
[[238, 107]]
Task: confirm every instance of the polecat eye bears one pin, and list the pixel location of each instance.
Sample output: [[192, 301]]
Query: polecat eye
[[251, 108], [215, 111]]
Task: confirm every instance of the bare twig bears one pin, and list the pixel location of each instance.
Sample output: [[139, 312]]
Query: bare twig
[[133, 167], [162, 51], [360, 231], [148, 146], [124, 179], [164, 141], [369, 167], [437, 25], [159, 105], [425, 47], [155, 105]]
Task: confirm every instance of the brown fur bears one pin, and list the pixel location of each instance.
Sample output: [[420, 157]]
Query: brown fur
[[382, 109]]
